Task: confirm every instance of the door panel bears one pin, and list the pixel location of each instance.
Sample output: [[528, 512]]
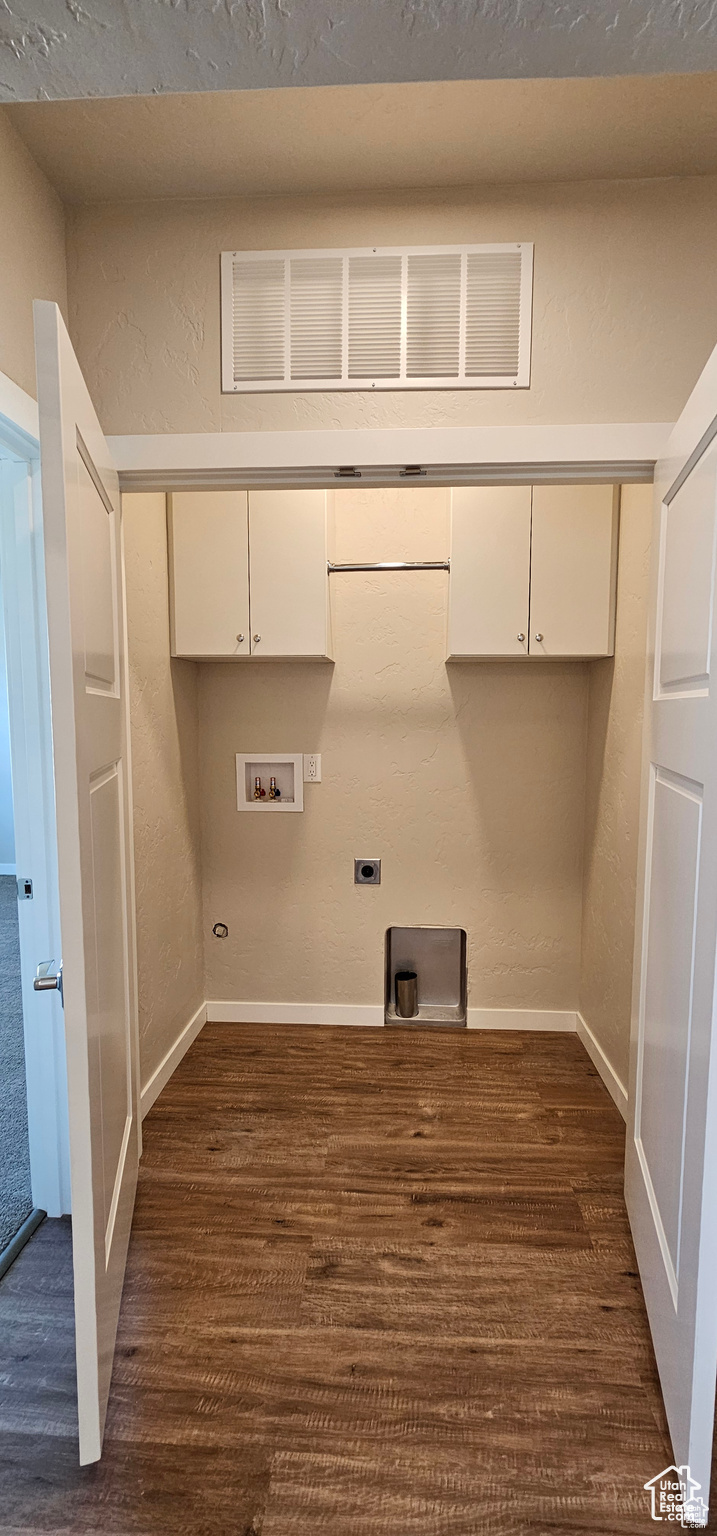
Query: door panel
[[109, 1010], [97, 540], [490, 571], [572, 570], [209, 573], [686, 595], [88, 672], [672, 1136], [671, 897], [288, 574]]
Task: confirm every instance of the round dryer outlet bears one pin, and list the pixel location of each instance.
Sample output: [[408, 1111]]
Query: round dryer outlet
[[367, 871]]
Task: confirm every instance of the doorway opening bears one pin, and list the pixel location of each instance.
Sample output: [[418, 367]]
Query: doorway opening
[[526, 741], [34, 1161], [15, 1178]]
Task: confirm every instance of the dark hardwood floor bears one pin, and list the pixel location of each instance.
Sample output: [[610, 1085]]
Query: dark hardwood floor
[[380, 1283]]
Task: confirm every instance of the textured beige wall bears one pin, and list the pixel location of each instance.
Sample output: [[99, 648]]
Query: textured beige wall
[[165, 776], [466, 780], [625, 301], [32, 254], [614, 745], [445, 133]]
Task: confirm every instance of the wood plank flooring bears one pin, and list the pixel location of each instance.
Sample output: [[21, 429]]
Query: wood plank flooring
[[380, 1283]]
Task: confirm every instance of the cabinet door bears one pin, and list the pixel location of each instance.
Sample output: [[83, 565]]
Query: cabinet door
[[573, 570], [288, 573], [490, 571], [209, 573]]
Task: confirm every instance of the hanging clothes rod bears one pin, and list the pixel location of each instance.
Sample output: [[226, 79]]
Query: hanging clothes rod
[[391, 565]]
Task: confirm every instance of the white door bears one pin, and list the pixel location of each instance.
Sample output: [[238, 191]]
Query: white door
[[86, 629], [288, 575], [573, 566], [490, 571], [671, 1170]]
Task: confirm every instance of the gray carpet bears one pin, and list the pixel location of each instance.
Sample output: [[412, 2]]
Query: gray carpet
[[15, 1196]]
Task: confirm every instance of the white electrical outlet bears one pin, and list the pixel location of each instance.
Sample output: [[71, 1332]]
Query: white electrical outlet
[[312, 767]]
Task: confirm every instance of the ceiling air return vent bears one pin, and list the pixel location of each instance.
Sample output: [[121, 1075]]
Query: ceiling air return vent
[[417, 317]]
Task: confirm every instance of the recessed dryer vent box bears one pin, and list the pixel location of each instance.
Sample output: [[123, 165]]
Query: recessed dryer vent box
[[288, 770], [438, 956]]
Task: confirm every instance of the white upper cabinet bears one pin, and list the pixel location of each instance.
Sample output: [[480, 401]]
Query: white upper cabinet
[[572, 570], [288, 558], [209, 573], [533, 571], [490, 571], [248, 574]]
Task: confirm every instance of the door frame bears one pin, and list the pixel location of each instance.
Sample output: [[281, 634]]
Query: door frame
[[622, 452], [24, 615], [625, 451]]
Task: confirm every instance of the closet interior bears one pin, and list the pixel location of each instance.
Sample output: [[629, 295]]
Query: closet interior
[[465, 666]]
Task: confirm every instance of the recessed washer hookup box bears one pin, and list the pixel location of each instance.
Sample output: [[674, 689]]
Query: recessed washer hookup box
[[438, 956]]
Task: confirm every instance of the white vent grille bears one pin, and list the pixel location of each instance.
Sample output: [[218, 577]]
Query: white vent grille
[[374, 317], [315, 288], [424, 317], [258, 319], [433, 316], [492, 313]]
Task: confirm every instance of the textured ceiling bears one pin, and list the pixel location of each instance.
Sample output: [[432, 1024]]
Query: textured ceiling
[[232, 143], [77, 48]]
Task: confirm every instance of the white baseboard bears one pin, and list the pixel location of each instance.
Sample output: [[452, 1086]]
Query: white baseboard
[[295, 1013], [8, 869], [561, 1019], [170, 1062], [372, 1014], [615, 1087], [564, 1021]]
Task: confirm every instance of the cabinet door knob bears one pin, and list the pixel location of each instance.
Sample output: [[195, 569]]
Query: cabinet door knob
[[257, 638], [538, 637], [521, 637], [240, 638]]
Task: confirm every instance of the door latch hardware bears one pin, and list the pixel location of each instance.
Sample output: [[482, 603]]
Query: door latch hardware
[[47, 980], [24, 890]]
